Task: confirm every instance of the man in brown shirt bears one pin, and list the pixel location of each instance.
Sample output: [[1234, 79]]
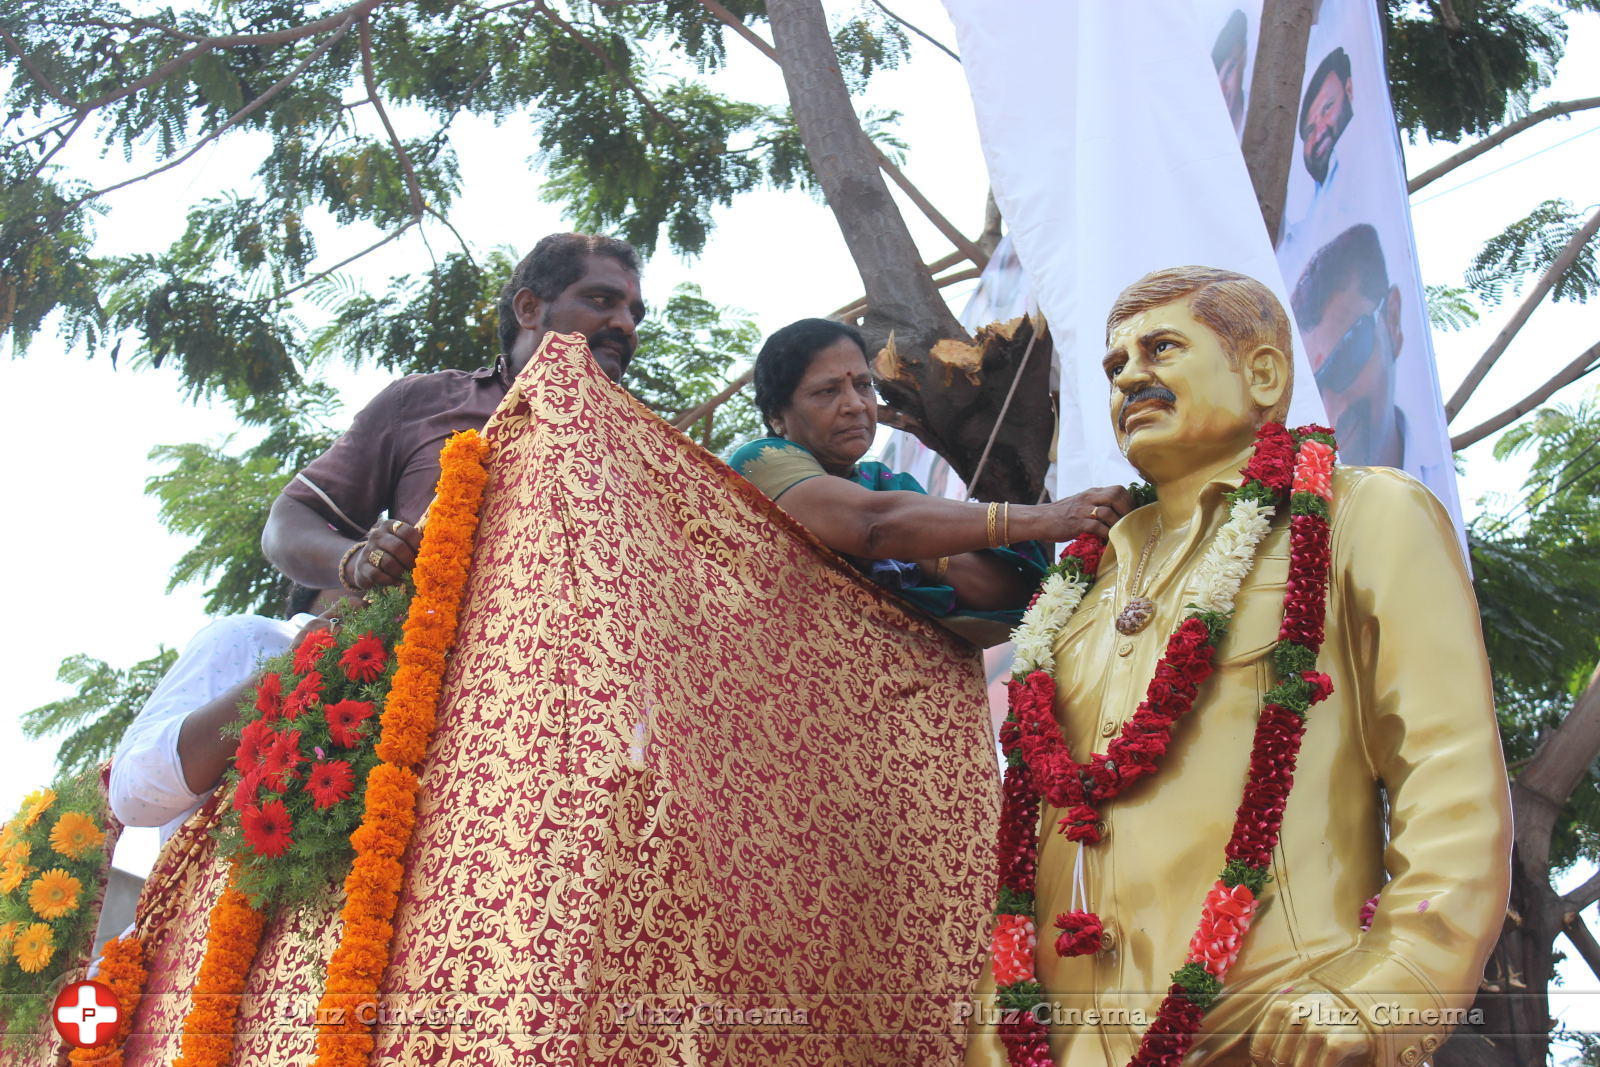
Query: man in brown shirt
[[349, 517]]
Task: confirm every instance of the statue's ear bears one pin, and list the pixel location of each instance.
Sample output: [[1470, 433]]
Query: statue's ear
[[1269, 377]]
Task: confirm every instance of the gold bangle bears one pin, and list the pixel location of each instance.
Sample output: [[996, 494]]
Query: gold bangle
[[941, 566], [994, 513], [344, 566], [1005, 523]]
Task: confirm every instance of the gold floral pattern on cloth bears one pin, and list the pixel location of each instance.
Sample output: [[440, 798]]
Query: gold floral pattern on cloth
[[699, 793]]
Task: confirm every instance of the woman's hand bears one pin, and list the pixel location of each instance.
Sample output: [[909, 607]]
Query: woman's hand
[[1093, 511]]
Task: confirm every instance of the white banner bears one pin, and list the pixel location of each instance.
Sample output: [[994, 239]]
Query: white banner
[[1111, 133]]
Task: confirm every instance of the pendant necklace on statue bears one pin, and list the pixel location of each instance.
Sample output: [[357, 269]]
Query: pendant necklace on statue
[[1139, 609]]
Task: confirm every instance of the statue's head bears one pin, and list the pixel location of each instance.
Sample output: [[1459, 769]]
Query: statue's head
[[1197, 359]]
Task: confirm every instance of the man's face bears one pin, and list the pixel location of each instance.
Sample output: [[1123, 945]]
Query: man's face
[[1352, 351], [1177, 400], [1325, 121], [604, 305]]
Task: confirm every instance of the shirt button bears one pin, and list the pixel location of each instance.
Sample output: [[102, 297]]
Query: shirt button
[[1104, 828], [1108, 728], [1430, 1043], [1108, 938], [1410, 1056], [1124, 648]]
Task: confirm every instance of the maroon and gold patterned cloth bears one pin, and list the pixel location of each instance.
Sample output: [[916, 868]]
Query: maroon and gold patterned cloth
[[699, 794]]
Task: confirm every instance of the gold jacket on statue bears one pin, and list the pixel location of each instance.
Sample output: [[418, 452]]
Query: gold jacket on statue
[[1410, 725]]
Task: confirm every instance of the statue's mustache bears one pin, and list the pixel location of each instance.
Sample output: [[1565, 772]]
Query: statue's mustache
[[1149, 392]]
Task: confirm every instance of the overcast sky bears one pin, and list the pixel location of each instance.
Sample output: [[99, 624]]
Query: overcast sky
[[90, 560]]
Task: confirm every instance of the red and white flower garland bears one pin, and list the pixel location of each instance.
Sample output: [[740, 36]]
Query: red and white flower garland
[[1295, 465]]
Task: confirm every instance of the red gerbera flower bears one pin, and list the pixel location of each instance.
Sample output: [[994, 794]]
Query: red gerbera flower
[[311, 649], [329, 782], [269, 696], [246, 795], [304, 695], [279, 759], [364, 660], [344, 721], [267, 829], [253, 741]]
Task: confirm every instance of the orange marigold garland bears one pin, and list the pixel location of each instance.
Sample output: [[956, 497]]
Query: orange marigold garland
[[122, 969], [372, 889], [233, 934]]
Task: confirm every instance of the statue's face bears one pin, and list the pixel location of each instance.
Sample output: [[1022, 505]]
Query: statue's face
[[1176, 396]]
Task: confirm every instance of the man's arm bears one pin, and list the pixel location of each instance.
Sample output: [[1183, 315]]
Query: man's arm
[[1429, 731]]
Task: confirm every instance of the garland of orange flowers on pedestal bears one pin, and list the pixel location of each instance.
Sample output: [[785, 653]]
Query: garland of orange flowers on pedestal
[[372, 889], [122, 969], [1295, 465], [233, 933]]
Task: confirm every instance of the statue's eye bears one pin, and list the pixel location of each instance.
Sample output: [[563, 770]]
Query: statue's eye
[[1163, 346]]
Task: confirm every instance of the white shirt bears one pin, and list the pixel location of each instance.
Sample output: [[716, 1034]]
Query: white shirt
[[147, 783]]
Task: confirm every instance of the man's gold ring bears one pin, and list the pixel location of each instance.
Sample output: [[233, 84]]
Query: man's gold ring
[[394, 526], [1095, 514], [376, 557]]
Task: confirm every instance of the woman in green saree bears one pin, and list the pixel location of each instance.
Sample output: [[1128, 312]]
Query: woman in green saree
[[949, 557]]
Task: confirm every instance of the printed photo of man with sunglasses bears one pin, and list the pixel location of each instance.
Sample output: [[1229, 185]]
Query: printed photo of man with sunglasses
[[1349, 318]]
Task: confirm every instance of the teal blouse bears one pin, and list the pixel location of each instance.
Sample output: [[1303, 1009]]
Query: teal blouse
[[775, 465]]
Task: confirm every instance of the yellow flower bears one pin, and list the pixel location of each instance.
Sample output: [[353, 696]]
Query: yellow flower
[[18, 852], [12, 874], [36, 804], [8, 934], [34, 947], [75, 834], [54, 894], [8, 835]]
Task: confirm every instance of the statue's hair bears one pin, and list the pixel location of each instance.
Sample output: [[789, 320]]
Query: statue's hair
[[1241, 311]]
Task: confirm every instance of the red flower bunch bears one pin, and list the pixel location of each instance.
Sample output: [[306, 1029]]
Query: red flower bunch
[[344, 720], [253, 742], [268, 829], [1170, 1036], [279, 758], [1272, 463], [1224, 920], [1307, 594], [269, 696], [1026, 1039], [312, 646], [329, 782], [364, 661], [1272, 761], [1080, 933], [1012, 949], [1019, 842], [1086, 549], [306, 693]]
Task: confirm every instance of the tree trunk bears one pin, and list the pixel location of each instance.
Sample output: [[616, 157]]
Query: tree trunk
[[1270, 124], [901, 298]]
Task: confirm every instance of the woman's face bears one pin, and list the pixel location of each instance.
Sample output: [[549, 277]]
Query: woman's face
[[834, 410]]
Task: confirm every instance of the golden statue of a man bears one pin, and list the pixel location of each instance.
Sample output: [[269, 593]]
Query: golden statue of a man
[[1399, 794]]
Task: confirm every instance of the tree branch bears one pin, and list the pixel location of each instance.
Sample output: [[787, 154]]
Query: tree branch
[[924, 34], [1584, 895], [1573, 371], [232, 120], [1541, 288], [38, 75], [260, 40], [1498, 137], [367, 76], [321, 274], [1541, 791], [1583, 940], [1269, 128], [943, 225]]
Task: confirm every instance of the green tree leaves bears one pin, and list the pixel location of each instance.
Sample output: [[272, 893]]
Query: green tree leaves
[[94, 717]]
